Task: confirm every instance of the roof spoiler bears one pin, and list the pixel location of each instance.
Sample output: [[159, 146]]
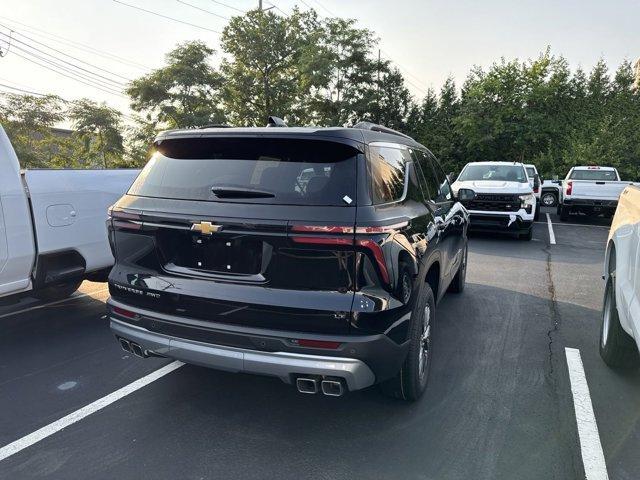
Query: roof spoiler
[[379, 128]]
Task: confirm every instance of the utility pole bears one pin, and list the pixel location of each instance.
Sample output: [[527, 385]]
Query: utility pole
[[378, 88], [260, 5]]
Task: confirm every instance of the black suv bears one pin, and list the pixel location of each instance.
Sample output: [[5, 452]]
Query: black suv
[[316, 255]]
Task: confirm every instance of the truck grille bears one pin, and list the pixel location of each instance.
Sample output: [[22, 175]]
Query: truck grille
[[494, 203]]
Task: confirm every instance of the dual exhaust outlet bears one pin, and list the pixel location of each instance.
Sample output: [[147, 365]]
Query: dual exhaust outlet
[[134, 348], [332, 387]]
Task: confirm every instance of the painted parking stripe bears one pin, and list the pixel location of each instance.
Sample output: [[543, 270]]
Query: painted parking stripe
[[592, 455], [552, 236], [56, 302], [576, 224], [78, 415]]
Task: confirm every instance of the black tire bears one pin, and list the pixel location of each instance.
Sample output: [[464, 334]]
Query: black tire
[[549, 199], [617, 348], [405, 282], [58, 291], [458, 282], [528, 235], [411, 381], [564, 213]]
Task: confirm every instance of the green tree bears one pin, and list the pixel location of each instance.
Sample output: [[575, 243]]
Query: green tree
[[184, 93], [274, 65], [98, 131], [28, 121]]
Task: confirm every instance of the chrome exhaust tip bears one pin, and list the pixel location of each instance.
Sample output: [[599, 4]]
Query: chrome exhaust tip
[[307, 385], [125, 344], [137, 350], [333, 388]]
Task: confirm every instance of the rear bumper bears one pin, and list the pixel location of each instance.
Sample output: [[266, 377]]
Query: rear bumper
[[360, 360], [503, 222], [591, 205]]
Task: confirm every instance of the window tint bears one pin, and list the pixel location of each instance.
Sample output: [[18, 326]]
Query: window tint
[[595, 175], [427, 174], [388, 167], [254, 170], [444, 189]]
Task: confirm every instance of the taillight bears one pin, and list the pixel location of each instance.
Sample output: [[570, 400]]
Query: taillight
[[569, 188], [344, 236], [536, 189], [124, 313], [127, 220]]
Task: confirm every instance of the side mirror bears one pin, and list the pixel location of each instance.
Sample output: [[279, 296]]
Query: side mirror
[[466, 195], [451, 177], [536, 182]]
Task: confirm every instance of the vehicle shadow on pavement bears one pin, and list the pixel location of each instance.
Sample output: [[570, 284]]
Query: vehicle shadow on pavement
[[498, 406]]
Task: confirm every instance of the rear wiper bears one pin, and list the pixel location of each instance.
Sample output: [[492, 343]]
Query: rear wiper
[[229, 192]]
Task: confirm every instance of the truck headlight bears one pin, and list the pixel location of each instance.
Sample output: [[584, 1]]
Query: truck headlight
[[527, 201]]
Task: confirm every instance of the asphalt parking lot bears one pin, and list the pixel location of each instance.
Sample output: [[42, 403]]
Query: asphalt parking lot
[[499, 404]]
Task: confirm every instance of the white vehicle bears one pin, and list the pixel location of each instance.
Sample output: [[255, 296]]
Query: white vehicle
[[504, 199], [590, 190], [52, 225], [620, 333], [534, 181]]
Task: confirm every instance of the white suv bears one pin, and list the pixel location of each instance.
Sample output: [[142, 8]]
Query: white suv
[[504, 199]]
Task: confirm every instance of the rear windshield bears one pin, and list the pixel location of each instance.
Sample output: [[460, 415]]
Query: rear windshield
[[597, 175], [255, 170], [504, 173]]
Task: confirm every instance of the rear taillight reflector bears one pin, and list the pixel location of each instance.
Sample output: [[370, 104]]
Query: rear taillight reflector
[[303, 342], [381, 229], [322, 229], [569, 188], [124, 313]]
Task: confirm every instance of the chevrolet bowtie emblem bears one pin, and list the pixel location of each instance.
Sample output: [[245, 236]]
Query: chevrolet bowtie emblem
[[205, 228]]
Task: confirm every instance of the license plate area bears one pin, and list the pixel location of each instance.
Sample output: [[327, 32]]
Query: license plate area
[[232, 254]]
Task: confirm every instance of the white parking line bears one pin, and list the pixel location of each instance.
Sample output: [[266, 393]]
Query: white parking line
[[552, 236], [577, 224], [78, 415], [592, 456], [44, 305]]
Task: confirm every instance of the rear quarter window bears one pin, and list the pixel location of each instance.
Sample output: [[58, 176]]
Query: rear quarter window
[[387, 169]]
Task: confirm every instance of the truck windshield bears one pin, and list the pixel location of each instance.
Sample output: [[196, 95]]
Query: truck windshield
[[505, 173], [595, 175], [252, 170]]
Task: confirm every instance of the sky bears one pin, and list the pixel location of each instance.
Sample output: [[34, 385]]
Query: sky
[[428, 40]]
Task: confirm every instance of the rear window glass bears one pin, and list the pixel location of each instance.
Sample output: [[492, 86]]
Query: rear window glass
[[388, 167], [597, 175], [531, 172], [254, 170]]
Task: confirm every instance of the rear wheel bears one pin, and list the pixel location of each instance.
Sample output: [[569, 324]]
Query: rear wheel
[[410, 383], [617, 347], [564, 213], [58, 291]]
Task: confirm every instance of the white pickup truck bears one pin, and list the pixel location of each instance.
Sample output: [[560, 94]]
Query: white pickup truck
[[590, 190], [52, 225]]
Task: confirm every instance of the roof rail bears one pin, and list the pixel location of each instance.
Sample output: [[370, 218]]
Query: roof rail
[[378, 128], [215, 125], [276, 122]]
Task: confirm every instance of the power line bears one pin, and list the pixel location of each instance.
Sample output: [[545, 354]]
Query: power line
[[278, 8], [228, 6], [76, 78], [402, 67], [325, 8], [166, 17], [105, 81], [75, 44], [22, 90], [202, 10], [66, 55]]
